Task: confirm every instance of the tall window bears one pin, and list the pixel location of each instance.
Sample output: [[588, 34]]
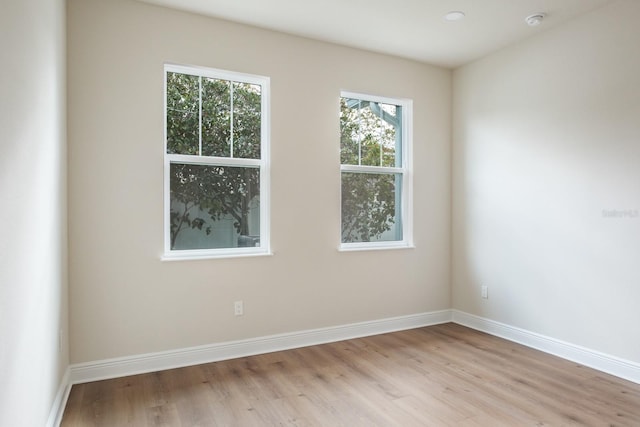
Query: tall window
[[375, 150], [216, 163]]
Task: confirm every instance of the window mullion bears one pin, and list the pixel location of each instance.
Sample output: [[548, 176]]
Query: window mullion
[[231, 118], [380, 135], [371, 169], [214, 161], [359, 132], [200, 116]]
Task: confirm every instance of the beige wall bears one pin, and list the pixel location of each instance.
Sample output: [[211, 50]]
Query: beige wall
[[546, 138], [33, 282], [124, 300]]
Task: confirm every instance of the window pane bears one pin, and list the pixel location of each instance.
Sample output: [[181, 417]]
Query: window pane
[[369, 203], [214, 206], [349, 135], [216, 117], [390, 134], [370, 125], [182, 113], [369, 133], [246, 120]]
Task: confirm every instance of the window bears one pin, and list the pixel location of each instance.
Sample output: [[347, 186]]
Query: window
[[216, 163], [375, 157]]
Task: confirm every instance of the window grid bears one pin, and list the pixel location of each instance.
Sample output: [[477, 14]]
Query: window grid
[[261, 163], [231, 109], [200, 115], [401, 168]]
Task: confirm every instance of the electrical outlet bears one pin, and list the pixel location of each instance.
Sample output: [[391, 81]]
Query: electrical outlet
[[484, 291], [238, 308]]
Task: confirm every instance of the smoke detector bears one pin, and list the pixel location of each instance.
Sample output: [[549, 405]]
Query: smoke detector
[[535, 19]]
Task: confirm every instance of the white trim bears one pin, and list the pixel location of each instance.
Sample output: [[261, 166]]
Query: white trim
[[406, 171], [150, 362], [372, 169], [265, 172], [214, 73], [60, 401], [262, 164], [407, 176], [373, 98], [625, 369], [197, 254], [374, 246], [214, 161]]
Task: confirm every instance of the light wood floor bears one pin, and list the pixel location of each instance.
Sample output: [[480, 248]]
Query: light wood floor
[[445, 375]]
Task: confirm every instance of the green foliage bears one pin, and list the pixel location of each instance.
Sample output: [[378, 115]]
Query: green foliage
[[368, 139], [368, 205], [218, 190], [183, 117], [182, 113], [218, 118], [246, 121], [365, 137]]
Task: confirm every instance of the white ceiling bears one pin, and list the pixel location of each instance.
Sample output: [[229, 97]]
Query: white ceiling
[[409, 28]]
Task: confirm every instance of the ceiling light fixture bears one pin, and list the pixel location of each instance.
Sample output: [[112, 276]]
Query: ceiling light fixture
[[454, 15], [535, 19]]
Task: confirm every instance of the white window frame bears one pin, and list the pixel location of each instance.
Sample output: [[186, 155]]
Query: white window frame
[[406, 170], [263, 164]]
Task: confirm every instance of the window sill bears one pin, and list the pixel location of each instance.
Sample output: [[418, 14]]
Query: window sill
[[375, 246], [202, 255]]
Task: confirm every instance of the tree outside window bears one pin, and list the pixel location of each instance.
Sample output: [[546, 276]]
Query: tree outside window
[[373, 151], [214, 161]]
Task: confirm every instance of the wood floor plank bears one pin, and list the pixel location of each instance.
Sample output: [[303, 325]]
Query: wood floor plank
[[444, 375]]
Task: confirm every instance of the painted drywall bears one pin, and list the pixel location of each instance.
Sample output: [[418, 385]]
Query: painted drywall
[[546, 183], [33, 278], [124, 299]]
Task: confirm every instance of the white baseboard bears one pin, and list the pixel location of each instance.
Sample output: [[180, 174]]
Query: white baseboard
[[138, 364], [57, 409], [603, 362], [150, 362]]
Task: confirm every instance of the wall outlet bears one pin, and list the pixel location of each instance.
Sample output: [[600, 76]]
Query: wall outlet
[[484, 292], [238, 308]]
